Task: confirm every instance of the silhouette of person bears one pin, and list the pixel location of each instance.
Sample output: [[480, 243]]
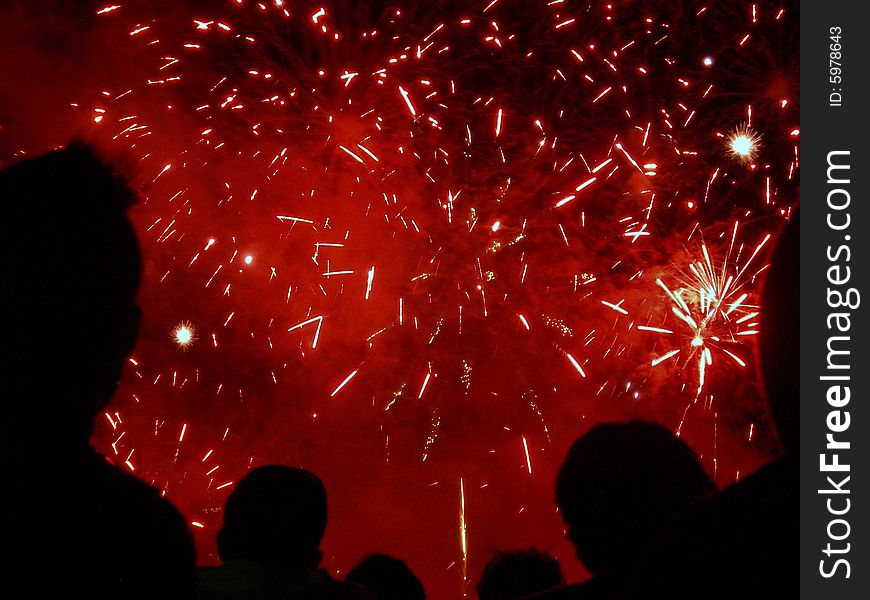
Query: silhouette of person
[[515, 575], [617, 490], [387, 578], [71, 266], [274, 521], [744, 541]]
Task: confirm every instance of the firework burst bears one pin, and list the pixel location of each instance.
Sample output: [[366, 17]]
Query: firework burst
[[714, 309], [743, 144], [184, 335]]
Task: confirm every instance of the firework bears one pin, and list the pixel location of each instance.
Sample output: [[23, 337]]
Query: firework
[[463, 535], [184, 335], [743, 144], [436, 233], [713, 309]]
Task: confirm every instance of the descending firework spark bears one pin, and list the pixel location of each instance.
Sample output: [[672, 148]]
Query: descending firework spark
[[463, 536], [743, 144], [713, 308]]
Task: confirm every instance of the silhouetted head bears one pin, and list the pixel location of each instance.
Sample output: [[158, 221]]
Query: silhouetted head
[[779, 336], [619, 487], [387, 578], [515, 575], [70, 271], [275, 516]]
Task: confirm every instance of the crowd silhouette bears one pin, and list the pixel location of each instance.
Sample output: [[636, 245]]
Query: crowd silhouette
[[643, 516], [388, 578], [71, 267], [269, 544], [519, 574]]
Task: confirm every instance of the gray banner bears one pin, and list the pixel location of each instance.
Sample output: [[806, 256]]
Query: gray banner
[[835, 422]]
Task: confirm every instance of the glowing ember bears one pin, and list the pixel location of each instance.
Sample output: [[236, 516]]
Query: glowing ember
[[184, 335], [744, 143]]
